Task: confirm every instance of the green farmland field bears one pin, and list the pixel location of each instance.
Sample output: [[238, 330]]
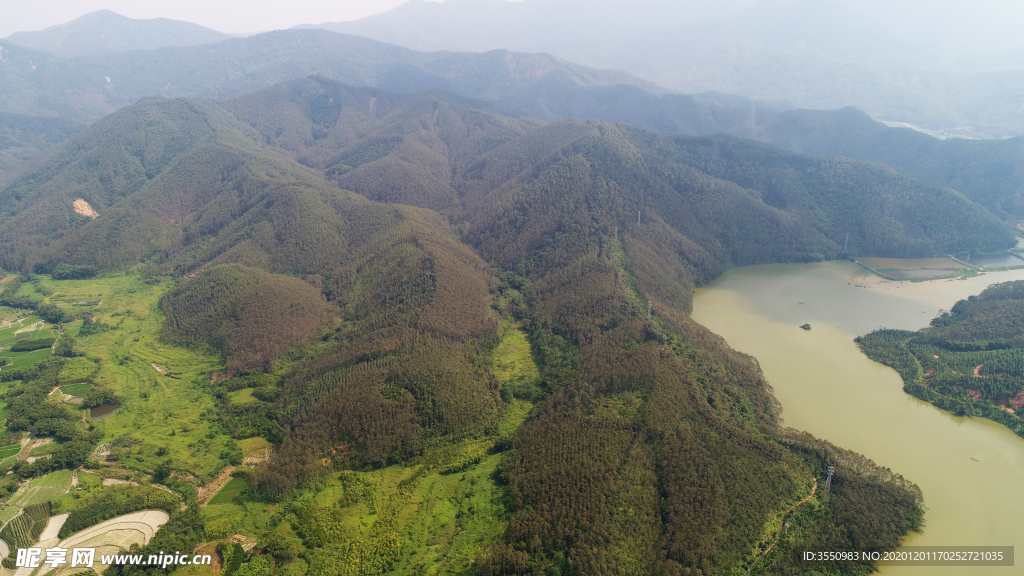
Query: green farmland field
[[165, 414], [26, 358], [233, 488], [43, 489]]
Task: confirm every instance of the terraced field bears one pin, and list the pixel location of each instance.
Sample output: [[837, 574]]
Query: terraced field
[[16, 325], [162, 410]]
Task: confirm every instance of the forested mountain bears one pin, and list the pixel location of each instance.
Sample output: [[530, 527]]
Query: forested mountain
[[104, 31], [970, 360], [84, 89], [989, 172], [302, 226], [538, 85], [437, 152]]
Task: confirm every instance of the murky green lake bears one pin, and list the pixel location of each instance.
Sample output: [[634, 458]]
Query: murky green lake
[[970, 470]]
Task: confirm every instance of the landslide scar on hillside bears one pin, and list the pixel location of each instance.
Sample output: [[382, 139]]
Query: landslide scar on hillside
[[82, 207]]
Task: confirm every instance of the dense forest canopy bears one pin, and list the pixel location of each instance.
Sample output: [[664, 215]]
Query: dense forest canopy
[[970, 360], [355, 257]]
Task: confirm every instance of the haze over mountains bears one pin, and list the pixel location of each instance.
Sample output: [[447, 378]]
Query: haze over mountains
[[813, 54]]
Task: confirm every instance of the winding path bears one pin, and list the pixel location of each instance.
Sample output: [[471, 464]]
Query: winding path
[[783, 523]]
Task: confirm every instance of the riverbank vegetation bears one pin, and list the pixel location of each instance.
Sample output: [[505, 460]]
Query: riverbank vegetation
[[969, 361]]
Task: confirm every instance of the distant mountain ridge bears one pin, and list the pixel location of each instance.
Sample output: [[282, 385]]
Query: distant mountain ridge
[[989, 172], [40, 83], [104, 32], [816, 54]]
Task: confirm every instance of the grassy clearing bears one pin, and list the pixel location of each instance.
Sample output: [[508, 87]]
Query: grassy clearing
[[512, 364], [167, 413], [77, 370], [60, 479], [512, 359], [233, 488], [44, 449], [243, 396], [8, 451], [17, 359], [8, 513], [79, 390], [253, 445]]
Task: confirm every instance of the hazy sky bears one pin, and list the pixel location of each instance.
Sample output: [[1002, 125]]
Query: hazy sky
[[224, 15], [982, 24]]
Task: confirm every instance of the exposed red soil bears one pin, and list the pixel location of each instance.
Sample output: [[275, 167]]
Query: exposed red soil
[[1017, 401]]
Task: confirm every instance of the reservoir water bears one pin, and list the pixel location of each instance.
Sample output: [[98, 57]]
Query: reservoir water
[[970, 470]]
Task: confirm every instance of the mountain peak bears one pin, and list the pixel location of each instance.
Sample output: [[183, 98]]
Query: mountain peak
[[105, 31]]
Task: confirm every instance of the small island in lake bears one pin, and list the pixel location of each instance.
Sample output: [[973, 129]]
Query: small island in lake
[[969, 361], [806, 326]]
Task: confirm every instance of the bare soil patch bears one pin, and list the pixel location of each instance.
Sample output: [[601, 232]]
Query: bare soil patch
[[83, 208]]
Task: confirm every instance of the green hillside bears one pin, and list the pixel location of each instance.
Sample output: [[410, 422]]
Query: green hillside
[[969, 361], [246, 314], [362, 262]]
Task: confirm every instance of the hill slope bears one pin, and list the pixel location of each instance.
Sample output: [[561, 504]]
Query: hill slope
[[649, 412], [990, 172], [104, 31], [23, 138]]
